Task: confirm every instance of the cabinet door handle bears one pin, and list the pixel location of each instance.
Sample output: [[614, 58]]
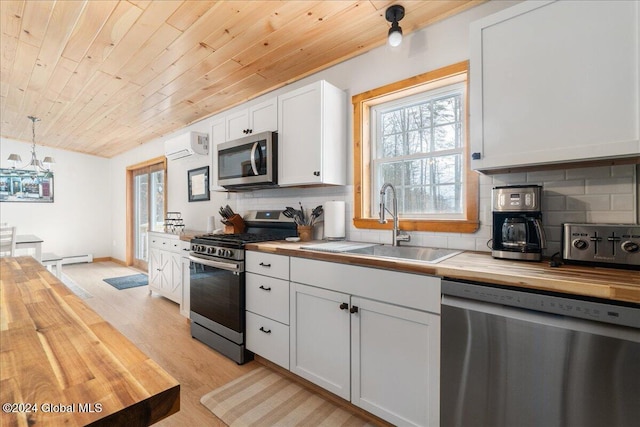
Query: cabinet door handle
[[266, 331], [316, 173], [262, 264], [344, 306], [353, 309], [265, 289]]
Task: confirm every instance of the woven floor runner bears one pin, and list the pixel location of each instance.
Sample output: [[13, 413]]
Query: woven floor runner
[[265, 398]]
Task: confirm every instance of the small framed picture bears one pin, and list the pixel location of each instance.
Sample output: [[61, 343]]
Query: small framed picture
[[198, 180]]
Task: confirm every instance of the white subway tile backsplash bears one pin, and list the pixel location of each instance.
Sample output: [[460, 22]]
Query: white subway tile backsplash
[[462, 243], [569, 187], [553, 233], [510, 179], [609, 186], [623, 170], [590, 173], [557, 218], [610, 217], [589, 203], [542, 176], [554, 203], [599, 194], [622, 202]]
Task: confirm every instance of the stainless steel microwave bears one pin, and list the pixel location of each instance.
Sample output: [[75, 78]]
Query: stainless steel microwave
[[249, 162]]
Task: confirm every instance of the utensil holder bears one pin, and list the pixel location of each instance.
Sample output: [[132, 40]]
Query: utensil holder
[[305, 232]]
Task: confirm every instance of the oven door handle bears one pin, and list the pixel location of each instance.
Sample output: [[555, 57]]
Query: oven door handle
[[230, 266]]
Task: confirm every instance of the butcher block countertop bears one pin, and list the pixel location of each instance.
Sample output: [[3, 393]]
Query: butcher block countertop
[[62, 364], [607, 283]]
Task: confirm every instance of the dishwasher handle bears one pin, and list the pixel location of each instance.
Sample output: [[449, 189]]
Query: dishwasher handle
[[541, 318]]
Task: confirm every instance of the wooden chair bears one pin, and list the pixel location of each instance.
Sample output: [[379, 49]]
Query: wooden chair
[[7, 241]]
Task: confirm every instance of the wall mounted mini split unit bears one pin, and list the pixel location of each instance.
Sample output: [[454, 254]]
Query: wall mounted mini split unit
[[186, 145]]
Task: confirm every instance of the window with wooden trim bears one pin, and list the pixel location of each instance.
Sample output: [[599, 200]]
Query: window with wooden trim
[[413, 134]]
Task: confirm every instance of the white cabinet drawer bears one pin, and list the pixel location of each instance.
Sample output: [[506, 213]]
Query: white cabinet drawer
[[166, 243], [159, 242], [268, 339], [421, 292], [268, 296], [267, 264]]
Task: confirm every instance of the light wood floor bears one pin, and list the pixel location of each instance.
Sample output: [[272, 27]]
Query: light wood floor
[[155, 325]]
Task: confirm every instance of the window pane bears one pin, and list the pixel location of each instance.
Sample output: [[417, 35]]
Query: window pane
[[416, 200], [390, 172], [141, 226], [157, 201], [409, 137], [392, 122], [444, 110], [447, 137], [417, 172]]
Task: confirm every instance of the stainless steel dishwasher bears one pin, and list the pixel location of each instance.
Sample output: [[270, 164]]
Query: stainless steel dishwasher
[[518, 358]]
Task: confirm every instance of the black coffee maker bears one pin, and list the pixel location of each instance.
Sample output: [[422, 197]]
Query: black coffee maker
[[517, 223]]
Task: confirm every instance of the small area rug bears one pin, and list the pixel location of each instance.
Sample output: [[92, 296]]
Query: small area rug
[[126, 282], [265, 398]]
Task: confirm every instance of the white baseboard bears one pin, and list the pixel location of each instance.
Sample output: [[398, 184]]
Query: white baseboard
[[77, 259]]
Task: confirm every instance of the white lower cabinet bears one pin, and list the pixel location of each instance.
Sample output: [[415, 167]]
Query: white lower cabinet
[[394, 362], [268, 338], [320, 337], [165, 266], [267, 304], [383, 357]]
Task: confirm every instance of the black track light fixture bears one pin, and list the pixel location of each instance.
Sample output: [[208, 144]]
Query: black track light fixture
[[394, 14]]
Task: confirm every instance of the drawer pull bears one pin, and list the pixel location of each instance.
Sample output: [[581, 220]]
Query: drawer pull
[[266, 331], [344, 306], [262, 264], [265, 289]]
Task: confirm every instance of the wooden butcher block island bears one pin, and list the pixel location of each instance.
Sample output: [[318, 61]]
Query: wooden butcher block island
[[62, 364]]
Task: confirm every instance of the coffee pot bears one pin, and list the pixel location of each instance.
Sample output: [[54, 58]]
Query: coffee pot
[[517, 223]]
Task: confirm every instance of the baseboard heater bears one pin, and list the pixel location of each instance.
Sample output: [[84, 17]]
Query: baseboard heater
[[77, 259]]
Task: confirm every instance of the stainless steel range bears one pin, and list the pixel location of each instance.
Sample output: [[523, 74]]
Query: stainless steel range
[[217, 287], [613, 245]]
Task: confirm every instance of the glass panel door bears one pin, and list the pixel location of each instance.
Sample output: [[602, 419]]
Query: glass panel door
[[141, 215], [147, 208]]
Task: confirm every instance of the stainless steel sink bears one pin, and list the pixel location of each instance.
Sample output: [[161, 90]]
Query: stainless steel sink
[[409, 253]]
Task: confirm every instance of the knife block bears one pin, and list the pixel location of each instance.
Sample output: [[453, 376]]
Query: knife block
[[237, 225]]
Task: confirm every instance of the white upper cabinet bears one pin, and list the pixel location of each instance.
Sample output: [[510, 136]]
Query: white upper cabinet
[[312, 139], [260, 117], [553, 82]]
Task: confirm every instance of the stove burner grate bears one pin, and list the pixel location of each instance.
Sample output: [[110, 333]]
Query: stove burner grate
[[241, 238]]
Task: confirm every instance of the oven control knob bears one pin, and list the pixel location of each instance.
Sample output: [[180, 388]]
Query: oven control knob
[[220, 252], [580, 244], [229, 253], [211, 250], [630, 247]]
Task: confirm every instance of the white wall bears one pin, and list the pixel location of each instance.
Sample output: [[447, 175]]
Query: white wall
[[78, 222]]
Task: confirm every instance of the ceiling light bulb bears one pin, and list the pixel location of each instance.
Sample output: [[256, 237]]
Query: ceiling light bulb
[[394, 14], [395, 36]]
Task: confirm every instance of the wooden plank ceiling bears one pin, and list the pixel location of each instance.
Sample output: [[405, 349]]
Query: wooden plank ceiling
[[105, 76]]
